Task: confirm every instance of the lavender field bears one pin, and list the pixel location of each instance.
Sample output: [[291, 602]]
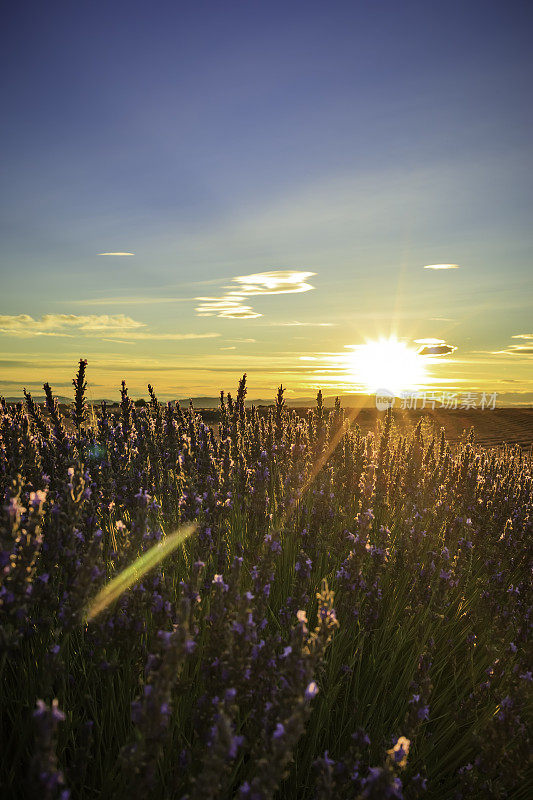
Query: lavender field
[[339, 615]]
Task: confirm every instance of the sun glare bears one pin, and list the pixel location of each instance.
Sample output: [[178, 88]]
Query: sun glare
[[387, 364]]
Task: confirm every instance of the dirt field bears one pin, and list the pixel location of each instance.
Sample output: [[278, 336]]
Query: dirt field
[[492, 428]]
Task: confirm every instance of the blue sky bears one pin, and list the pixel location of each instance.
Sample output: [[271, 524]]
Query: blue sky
[[359, 141]]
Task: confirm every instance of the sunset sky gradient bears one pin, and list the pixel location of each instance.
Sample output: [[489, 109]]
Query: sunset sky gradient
[[197, 189]]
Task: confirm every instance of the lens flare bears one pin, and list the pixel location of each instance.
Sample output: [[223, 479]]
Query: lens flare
[[125, 580]]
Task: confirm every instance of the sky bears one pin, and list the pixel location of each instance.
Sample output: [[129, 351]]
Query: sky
[[193, 190]]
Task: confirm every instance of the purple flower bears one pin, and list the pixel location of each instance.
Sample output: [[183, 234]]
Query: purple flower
[[311, 691], [54, 711], [419, 783], [143, 497], [218, 580], [400, 751], [279, 731], [235, 743]]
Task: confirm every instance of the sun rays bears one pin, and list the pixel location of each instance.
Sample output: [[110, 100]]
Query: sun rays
[[387, 363]]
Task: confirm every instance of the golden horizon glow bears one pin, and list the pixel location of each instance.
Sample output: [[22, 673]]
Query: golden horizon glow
[[388, 364]]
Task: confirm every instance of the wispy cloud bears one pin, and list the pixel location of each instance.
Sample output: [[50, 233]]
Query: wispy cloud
[[514, 350], [36, 384], [64, 324], [231, 305], [297, 324], [170, 336], [517, 349], [91, 325], [442, 266], [129, 301], [116, 254]]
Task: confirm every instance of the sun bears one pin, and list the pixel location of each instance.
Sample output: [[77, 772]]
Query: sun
[[387, 364]]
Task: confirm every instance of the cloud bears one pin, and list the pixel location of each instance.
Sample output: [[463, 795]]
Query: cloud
[[436, 350], [228, 307], [434, 347], [232, 306], [129, 301], [296, 324], [515, 350], [442, 266], [92, 325], [169, 336], [116, 254], [275, 282], [61, 324], [9, 363], [36, 384]]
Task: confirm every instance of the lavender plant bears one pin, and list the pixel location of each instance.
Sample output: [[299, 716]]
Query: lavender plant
[[351, 618]]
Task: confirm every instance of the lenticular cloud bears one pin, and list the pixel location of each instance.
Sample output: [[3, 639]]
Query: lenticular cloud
[[231, 304]]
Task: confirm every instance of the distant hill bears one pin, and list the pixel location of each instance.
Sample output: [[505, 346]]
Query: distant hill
[[214, 402], [357, 400], [61, 399], [504, 400], [40, 399], [507, 399], [353, 400]]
